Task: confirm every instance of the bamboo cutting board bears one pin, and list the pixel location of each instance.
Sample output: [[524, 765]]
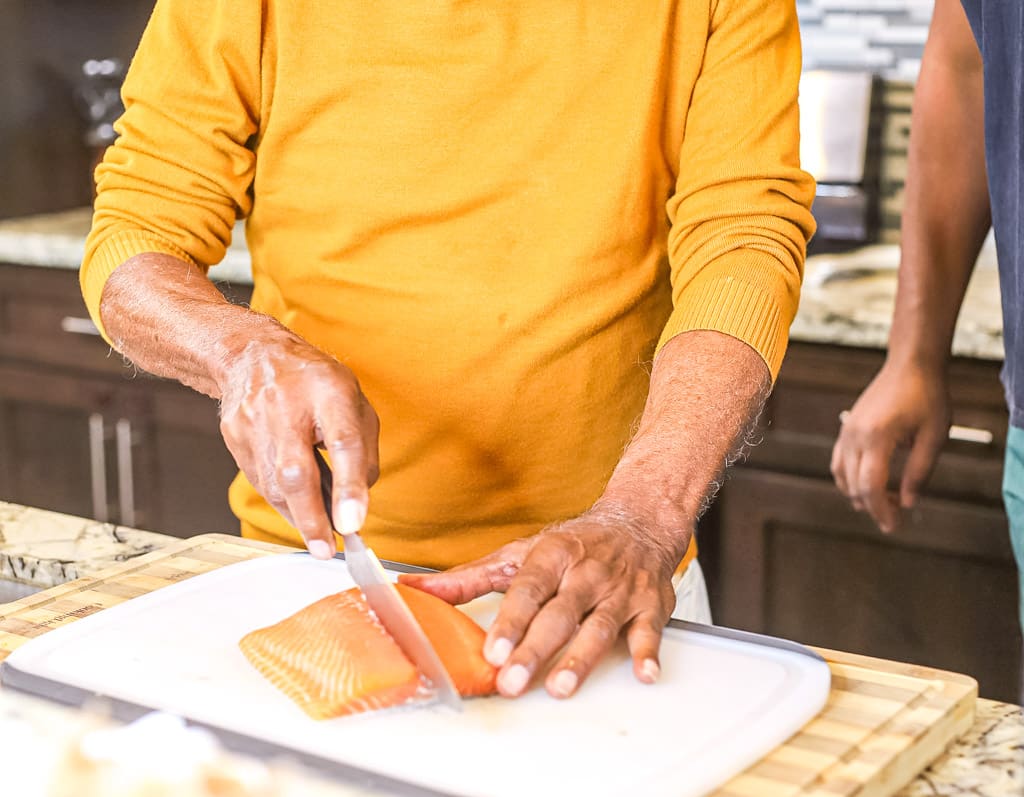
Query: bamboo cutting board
[[883, 724]]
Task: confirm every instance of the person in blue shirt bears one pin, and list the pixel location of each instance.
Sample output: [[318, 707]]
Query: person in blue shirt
[[968, 115]]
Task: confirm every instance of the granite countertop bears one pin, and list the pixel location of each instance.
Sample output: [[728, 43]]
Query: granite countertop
[[44, 548], [57, 240], [847, 299]]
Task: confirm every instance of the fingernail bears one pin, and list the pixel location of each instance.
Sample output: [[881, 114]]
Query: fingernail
[[565, 683], [320, 549], [515, 679], [352, 515], [650, 670], [498, 651]]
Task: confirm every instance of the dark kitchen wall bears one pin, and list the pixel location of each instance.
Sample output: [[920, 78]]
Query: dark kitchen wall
[[44, 162]]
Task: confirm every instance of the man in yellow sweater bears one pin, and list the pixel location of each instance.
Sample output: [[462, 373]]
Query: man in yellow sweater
[[473, 227]]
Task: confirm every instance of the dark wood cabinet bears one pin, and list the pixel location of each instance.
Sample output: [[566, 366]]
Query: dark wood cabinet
[[83, 433], [50, 425], [788, 556], [190, 463]]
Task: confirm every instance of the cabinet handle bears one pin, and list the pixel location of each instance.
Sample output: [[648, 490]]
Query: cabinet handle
[[79, 326], [971, 434], [962, 434], [98, 467], [125, 474]]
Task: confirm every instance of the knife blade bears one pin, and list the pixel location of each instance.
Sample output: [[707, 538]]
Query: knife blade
[[382, 596]]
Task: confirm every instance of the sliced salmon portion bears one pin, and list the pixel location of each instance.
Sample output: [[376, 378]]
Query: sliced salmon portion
[[458, 640], [334, 657]]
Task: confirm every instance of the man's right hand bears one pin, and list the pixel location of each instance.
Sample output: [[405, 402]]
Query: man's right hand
[[280, 397], [902, 407]]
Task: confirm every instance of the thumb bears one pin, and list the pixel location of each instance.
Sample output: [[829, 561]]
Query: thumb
[[925, 450], [492, 573]]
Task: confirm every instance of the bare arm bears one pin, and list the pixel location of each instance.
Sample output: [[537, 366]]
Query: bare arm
[[279, 395], [707, 390], [945, 222], [946, 214], [164, 315], [611, 568]]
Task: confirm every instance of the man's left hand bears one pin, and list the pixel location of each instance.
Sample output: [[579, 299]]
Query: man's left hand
[[582, 582]]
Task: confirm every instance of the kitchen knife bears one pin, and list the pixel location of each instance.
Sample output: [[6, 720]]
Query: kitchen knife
[[393, 613]]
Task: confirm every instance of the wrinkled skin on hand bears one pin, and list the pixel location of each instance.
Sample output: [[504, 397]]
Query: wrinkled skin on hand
[[280, 396], [583, 582], [903, 407]]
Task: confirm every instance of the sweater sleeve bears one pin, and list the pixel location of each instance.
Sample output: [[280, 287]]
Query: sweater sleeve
[[181, 171], [740, 212]]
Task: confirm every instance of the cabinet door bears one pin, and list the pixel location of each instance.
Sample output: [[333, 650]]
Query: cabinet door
[[82, 433], [795, 561], [192, 467], [54, 442], [43, 322]]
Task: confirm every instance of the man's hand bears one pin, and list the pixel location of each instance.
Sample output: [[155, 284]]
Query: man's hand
[[587, 580], [583, 582], [281, 396], [902, 407]]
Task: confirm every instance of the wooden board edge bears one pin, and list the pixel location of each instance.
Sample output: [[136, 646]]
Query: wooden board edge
[[925, 750], [898, 668], [245, 542]]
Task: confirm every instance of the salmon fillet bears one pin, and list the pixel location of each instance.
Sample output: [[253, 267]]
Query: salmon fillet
[[334, 657]]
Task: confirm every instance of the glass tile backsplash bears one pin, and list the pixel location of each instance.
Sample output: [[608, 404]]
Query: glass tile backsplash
[[881, 36]]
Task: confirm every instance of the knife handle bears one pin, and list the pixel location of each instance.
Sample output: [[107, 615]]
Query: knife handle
[[326, 483]]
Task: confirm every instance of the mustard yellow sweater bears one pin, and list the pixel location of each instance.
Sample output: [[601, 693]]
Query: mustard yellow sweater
[[492, 211]]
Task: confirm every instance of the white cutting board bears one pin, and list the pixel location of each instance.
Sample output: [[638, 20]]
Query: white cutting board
[[720, 704]]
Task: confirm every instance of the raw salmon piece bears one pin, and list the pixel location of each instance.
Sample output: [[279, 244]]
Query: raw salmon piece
[[334, 657], [458, 640]]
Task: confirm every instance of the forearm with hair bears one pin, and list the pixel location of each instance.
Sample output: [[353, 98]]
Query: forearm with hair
[[165, 315], [707, 392]]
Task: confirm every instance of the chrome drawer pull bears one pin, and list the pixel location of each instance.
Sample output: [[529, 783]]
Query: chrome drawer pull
[[125, 472], [971, 434], [98, 466], [79, 326], [962, 434]]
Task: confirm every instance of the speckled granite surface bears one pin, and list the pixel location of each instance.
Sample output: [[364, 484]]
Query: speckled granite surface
[[847, 299], [57, 240], [46, 548], [988, 761]]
